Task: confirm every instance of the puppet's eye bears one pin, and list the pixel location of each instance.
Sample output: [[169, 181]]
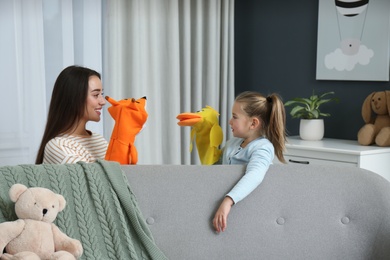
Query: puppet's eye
[[379, 99], [53, 206]]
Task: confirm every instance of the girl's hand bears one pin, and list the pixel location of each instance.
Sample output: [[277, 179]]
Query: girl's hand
[[220, 218]]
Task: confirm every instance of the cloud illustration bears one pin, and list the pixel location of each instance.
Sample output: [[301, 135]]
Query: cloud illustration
[[340, 61]]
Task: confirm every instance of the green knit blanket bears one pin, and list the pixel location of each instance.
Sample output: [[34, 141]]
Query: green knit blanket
[[101, 211]]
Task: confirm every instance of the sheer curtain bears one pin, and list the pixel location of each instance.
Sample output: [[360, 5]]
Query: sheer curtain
[[38, 39], [178, 53]]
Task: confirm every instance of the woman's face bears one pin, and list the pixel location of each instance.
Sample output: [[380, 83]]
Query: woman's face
[[95, 100]]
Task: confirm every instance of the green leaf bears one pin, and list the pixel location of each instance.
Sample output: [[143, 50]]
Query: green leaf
[[315, 114], [296, 110]]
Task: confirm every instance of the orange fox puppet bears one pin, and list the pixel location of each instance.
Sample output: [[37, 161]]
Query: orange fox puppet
[[130, 116]]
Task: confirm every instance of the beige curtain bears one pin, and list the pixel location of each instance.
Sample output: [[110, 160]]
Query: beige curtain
[[178, 53]]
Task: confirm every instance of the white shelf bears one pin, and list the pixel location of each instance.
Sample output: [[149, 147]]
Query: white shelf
[[339, 152], [335, 145]]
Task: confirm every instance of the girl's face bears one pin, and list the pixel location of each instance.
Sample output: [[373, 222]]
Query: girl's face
[[240, 122], [95, 100]]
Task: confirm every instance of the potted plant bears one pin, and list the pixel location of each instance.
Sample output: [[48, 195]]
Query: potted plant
[[311, 126]]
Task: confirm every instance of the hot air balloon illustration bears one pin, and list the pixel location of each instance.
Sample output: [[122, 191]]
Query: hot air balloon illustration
[[353, 40], [351, 14], [351, 7]]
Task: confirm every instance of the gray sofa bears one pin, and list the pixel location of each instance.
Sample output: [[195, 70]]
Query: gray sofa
[[298, 212]]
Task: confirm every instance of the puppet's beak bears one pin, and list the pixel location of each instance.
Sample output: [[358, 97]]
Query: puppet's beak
[[188, 119]]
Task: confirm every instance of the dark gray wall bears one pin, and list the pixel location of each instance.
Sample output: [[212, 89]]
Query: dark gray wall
[[275, 51]]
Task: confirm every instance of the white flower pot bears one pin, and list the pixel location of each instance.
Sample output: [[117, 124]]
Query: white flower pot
[[311, 129]]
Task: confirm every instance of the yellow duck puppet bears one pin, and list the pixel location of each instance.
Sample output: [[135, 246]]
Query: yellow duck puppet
[[130, 116], [206, 131]]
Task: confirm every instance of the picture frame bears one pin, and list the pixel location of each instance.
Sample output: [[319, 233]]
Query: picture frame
[[353, 40]]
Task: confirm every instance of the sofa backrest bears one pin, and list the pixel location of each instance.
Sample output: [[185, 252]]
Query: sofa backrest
[[298, 212]]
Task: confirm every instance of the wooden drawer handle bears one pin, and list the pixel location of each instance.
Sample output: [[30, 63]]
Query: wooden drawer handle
[[302, 162]]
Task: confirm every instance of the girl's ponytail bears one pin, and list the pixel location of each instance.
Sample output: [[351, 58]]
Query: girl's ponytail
[[276, 130]]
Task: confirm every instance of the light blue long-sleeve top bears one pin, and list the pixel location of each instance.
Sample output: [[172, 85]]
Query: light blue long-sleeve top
[[258, 155]]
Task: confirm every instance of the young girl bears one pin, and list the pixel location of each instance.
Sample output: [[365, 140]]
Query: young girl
[[76, 99], [258, 126]]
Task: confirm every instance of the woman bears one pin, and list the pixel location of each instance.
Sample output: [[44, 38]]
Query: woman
[[76, 99]]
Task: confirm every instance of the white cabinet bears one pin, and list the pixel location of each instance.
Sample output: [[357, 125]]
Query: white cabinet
[[339, 152]]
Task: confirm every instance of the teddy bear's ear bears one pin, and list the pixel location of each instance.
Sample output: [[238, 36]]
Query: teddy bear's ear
[[16, 190], [388, 101], [61, 202], [366, 108]]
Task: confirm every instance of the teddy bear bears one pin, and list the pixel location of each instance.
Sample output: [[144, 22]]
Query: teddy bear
[[34, 235], [376, 115]]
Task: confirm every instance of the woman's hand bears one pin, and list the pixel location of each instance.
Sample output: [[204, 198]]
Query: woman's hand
[[220, 218]]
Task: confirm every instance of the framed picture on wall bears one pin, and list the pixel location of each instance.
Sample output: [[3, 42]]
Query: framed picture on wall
[[353, 40]]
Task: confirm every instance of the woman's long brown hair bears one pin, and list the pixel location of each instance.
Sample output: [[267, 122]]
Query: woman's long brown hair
[[67, 103]]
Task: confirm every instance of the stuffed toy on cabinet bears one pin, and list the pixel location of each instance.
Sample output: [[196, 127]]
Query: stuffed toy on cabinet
[[376, 115]]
